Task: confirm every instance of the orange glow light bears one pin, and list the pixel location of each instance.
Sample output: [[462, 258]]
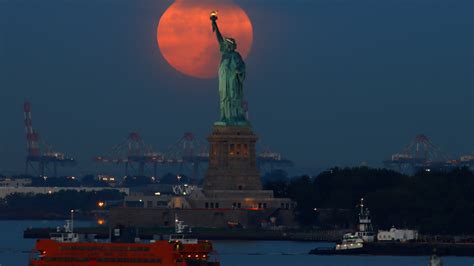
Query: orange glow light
[[253, 209]]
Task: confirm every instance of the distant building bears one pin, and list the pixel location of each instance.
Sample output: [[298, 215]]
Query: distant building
[[15, 182], [395, 234]]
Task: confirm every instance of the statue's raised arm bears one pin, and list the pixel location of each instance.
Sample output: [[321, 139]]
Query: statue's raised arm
[[215, 28]]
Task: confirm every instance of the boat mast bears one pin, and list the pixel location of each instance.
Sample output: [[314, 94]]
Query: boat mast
[[72, 222], [365, 223]]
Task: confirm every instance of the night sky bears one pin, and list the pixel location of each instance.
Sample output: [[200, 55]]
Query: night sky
[[329, 82]]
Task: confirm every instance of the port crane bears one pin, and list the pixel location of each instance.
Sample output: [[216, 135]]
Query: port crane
[[188, 153], [40, 155], [134, 154], [420, 153]]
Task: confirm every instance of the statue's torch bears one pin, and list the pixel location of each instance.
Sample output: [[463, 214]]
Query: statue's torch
[[214, 15], [214, 19]]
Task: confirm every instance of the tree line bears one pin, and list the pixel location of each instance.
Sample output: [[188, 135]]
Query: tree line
[[434, 202]]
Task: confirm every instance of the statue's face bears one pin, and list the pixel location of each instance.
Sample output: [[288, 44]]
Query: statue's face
[[230, 44]]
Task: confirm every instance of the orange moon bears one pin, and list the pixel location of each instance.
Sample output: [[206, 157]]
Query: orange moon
[[186, 40]]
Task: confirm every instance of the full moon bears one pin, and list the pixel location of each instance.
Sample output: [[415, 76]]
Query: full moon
[[186, 40]]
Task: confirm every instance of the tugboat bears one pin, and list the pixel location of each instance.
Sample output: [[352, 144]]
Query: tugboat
[[353, 243], [350, 244], [66, 249]]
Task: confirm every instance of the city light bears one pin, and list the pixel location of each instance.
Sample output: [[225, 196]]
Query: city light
[[101, 204], [157, 193]]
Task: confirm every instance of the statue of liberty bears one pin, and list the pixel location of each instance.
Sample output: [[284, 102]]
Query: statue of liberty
[[231, 78]]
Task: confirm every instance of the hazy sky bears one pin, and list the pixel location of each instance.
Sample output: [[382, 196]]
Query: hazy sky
[[329, 82]]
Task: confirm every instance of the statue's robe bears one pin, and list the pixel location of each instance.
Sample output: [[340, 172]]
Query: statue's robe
[[231, 77]]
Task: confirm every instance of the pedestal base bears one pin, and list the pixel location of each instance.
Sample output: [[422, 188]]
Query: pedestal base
[[232, 159]]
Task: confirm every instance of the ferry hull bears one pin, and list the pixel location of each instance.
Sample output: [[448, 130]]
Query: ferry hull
[[164, 253]]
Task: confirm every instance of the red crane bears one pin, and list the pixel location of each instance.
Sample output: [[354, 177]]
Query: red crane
[[420, 153], [35, 145]]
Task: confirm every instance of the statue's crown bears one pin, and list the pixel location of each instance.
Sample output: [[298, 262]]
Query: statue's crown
[[230, 40]]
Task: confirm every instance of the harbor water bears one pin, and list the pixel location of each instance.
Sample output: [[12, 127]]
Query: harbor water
[[14, 251]]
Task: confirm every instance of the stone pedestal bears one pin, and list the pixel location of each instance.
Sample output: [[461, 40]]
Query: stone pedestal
[[232, 181], [232, 160]]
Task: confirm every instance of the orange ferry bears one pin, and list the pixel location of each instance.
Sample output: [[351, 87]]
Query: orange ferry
[[65, 249]]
